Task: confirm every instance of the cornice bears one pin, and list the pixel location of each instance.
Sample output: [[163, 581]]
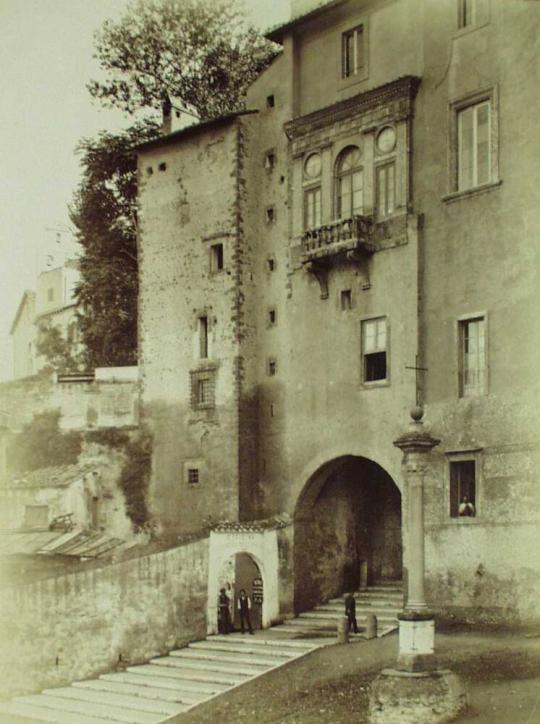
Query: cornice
[[404, 88]]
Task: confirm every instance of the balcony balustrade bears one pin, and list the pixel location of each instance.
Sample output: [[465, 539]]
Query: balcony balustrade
[[345, 235]]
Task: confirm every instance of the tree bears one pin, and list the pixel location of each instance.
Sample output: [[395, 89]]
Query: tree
[[61, 353], [198, 54], [192, 54], [104, 215]]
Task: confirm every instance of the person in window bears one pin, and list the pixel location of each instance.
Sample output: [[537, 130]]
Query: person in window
[[224, 613], [350, 612], [466, 508], [244, 607]]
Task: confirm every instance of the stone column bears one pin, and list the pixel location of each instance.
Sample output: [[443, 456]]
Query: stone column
[[415, 691], [416, 625]]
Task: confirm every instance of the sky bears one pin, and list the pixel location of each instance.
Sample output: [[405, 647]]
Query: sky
[[46, 49]]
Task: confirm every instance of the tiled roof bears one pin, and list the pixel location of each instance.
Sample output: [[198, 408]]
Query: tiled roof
[[53, 477], [251, 526], [76, 543]]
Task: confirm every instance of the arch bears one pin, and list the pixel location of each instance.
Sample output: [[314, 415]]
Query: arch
[[347, 517], [262, 548], [349, 183]]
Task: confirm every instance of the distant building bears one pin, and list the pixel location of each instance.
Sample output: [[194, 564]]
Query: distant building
[[52, 303]]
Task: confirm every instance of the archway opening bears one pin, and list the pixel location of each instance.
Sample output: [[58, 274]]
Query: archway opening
[[241, 572], [347, 531]]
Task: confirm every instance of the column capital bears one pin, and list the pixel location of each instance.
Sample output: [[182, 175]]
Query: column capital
[[417, 439]]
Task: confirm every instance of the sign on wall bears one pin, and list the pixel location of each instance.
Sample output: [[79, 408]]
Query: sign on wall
[[257, 590]]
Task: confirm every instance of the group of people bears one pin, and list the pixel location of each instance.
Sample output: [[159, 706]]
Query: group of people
[[225, 624]]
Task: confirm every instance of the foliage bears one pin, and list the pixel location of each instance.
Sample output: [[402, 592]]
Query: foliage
[[59, 352], [104, 214], [199, 54], [41, 444], [110, 437], [135, 477]]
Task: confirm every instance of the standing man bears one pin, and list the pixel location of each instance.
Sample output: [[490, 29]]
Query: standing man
[[350, 612], [244, 607], [224, 613]]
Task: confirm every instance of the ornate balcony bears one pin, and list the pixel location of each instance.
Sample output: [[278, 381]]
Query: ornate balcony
[[352, 238]]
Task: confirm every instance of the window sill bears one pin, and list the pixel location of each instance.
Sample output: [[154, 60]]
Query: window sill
[[375, 385], [467, 193], [460, 32], [352, 80], [464, 520]]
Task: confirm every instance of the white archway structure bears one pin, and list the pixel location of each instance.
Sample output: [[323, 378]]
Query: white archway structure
[[261, 544]]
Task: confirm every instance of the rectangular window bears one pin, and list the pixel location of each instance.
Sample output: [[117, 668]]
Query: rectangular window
[[474, 145], [472, 13], [345, 299], [472, 367], [385, 189], [353, 52], [216, 257], [203, 387], [463, 488], [270, 215], [272, 317], [193, 476], [374, 350], [203, 337], [312, 208], [271, 367]]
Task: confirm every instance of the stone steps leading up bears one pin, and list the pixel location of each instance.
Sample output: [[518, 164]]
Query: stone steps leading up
[[151, 693]]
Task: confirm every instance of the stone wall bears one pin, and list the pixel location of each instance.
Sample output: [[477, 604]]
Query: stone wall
[[76, 626]]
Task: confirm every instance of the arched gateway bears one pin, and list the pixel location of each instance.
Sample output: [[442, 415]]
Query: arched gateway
[[347, 518]]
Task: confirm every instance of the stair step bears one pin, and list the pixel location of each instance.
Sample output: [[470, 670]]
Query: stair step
[[221, 656], [273, 652], [240, 670], [155, 679], [39, 713], [103, 711], [138, 703], [239, 639], [141, 690], [186, 674]]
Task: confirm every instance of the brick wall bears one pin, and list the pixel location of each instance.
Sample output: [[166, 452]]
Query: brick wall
[[78, 625]]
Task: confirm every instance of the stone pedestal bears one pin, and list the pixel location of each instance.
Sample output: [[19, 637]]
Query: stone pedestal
[[429, 697], [416, 643]]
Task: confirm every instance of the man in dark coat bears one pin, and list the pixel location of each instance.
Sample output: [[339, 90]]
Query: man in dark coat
[[244, 607], [224, 613], [350, 612]]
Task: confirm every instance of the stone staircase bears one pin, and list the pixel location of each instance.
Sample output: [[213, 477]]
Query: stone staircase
[[169, 685], [166, 686], [384, 600]]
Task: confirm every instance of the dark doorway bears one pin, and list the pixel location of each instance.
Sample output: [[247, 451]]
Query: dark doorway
[[348, 514], [242, 572]]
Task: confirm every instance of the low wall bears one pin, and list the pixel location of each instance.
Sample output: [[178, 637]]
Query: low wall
[[79, 625]]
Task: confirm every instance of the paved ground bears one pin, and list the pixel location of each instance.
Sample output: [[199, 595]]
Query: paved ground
[[330, 686]]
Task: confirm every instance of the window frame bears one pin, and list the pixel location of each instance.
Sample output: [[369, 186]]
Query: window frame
[[455, 109], [457, 456], [383, 382], [216, 256], [379, 167], [359, 70], [196, 378], [348, 174], [480, 12], [310, 189], [460, 325]]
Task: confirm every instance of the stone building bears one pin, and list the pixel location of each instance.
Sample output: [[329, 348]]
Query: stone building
[[52, 303], [362, 239]]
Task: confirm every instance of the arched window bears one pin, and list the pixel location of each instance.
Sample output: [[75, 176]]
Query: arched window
[[349, 183]]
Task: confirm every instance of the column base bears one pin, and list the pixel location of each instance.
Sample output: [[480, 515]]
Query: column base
[[429, 697], [416, 642]]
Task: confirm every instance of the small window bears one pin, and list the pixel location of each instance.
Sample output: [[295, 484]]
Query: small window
[[472, 353], [345, 299], [353, 52], [270, 215], [203, 337], [50, 295], [162, 166], [216, 257], [269, 161], [385, 190], [272, 317], [149, 170], [463, 488], [312, 208], [271, 367], [374, 350], [271, 264], [193, 476], [203, 389], [270, 101], [472, 13], [474, 145]]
